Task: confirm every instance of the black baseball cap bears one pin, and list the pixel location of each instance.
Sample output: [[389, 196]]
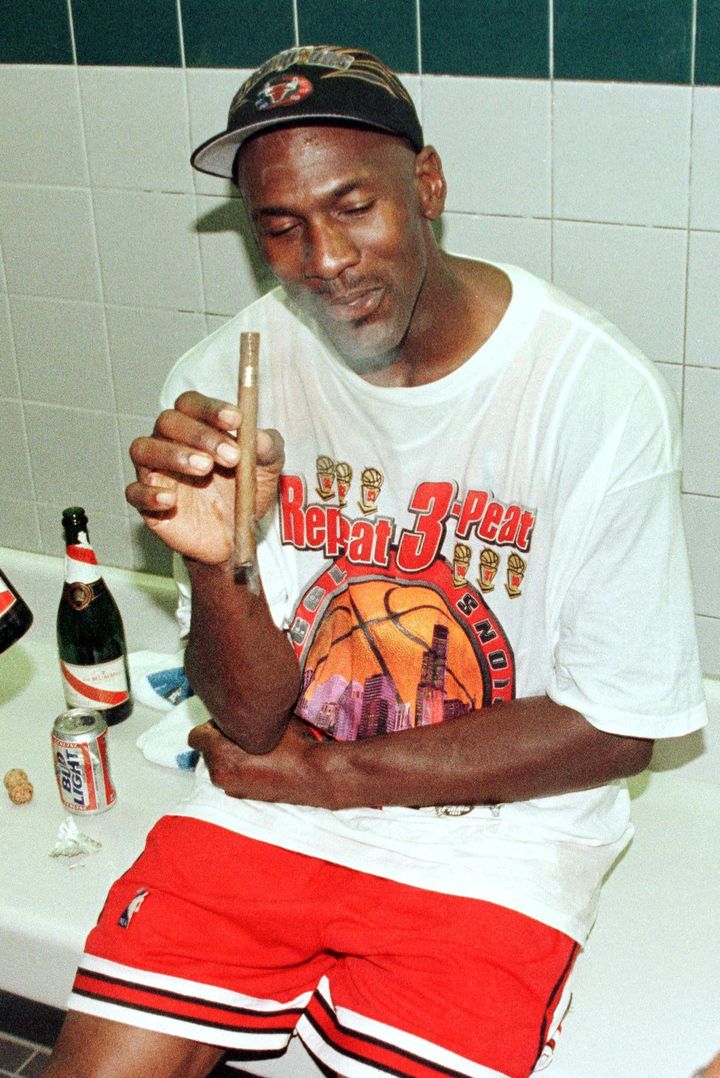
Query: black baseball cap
[[312, 82]]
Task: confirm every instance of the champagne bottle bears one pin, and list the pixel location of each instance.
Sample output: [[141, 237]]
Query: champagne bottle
[[90, 634], [15, 615]]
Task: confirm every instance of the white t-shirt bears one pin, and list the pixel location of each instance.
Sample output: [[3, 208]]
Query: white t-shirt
[[512, 529]]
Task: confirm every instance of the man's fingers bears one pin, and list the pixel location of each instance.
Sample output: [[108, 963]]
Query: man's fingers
[[270, 449], [156, 494], [203, 736], [209, 410], [222, 757], [152, 455], [191, 435], [188, 443], [160, 455], [200, 449]]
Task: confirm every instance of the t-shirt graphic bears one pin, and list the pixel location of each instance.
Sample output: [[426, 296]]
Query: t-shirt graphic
[[383, 650]]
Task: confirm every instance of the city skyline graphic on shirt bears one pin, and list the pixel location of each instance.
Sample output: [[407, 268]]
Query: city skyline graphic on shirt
[[351, 710], [387, 658]]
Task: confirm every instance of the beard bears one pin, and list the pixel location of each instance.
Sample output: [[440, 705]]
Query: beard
[[367, 339]]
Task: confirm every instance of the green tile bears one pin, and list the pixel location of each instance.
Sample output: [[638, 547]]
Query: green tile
[[35, 32], [485, 37], [623, 40], [127, 33], [707, 43], [387, 29], [236, 33]]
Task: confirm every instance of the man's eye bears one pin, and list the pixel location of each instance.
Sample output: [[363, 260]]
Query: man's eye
[[279, 230], [361, 207]]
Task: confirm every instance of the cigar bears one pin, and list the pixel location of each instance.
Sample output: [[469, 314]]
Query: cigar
[[244, 552]]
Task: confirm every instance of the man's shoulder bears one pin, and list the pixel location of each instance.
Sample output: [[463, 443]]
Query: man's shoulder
[[553, 318], [586, 377], [598, 352], [601, 385], [594, 329]]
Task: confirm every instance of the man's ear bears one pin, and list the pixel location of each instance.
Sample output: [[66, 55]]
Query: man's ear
[[430, 182]]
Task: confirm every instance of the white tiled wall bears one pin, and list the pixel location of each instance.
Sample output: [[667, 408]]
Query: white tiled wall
[[494, 136], [115, 258], [621, 153], [703, 310]]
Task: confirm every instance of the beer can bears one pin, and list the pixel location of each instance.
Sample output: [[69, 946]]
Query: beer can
[[80, 754]]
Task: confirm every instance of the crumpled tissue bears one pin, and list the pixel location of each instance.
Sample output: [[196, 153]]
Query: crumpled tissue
[[71, 841]]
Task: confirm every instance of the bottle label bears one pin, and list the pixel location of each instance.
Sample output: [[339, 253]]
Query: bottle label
[[7, 599], [81, 565], [79, 595], [99, 686]]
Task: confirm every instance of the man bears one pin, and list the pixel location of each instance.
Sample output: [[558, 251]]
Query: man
[[474, 620]]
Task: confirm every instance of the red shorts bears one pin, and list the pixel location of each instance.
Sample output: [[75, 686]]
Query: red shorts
[[224, 940]]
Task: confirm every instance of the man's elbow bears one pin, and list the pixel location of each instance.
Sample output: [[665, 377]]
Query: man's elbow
[[254, 741], [256, 725], [633, 755]]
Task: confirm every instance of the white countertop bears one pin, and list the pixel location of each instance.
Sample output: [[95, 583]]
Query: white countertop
[[47, 904], [646, 991]]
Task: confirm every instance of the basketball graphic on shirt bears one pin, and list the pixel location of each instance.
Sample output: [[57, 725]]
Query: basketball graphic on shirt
[[383, 652]]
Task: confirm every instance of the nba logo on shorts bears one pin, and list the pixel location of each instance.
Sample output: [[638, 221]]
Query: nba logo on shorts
[[131, 909]]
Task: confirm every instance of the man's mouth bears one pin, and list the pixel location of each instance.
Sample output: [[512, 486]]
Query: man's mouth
[[355, 305]]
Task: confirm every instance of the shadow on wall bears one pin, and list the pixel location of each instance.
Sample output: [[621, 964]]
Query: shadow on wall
[[150, 553], [230, 216]]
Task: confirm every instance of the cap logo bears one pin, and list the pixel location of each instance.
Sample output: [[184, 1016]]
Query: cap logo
[[283, 90]]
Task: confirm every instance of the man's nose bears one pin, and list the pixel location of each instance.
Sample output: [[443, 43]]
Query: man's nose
[[329, 251]]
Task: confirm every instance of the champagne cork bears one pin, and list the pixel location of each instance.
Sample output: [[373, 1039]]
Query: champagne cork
[[18, 786]]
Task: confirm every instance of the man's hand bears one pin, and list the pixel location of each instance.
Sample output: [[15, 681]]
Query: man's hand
[[285, 774], [240, 664], [186, 476]]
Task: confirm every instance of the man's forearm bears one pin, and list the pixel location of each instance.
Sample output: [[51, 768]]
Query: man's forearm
[[511, 752], [238, 662]]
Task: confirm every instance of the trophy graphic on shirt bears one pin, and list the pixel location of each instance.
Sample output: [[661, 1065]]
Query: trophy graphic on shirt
[[371, 481], [343, 475], [515, 572], [461, 563], [489, 561], [325, 471]]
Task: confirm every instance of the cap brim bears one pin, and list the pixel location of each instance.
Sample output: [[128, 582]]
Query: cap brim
[[216, 157]]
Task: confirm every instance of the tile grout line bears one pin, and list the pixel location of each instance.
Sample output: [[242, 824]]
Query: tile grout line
[[102, 300], [71, 23], [296, 22], [551, 147], [130, 515], [418, 42], [181, 35], [21, 401], [693, 98], [419, 62], [194, 192]]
